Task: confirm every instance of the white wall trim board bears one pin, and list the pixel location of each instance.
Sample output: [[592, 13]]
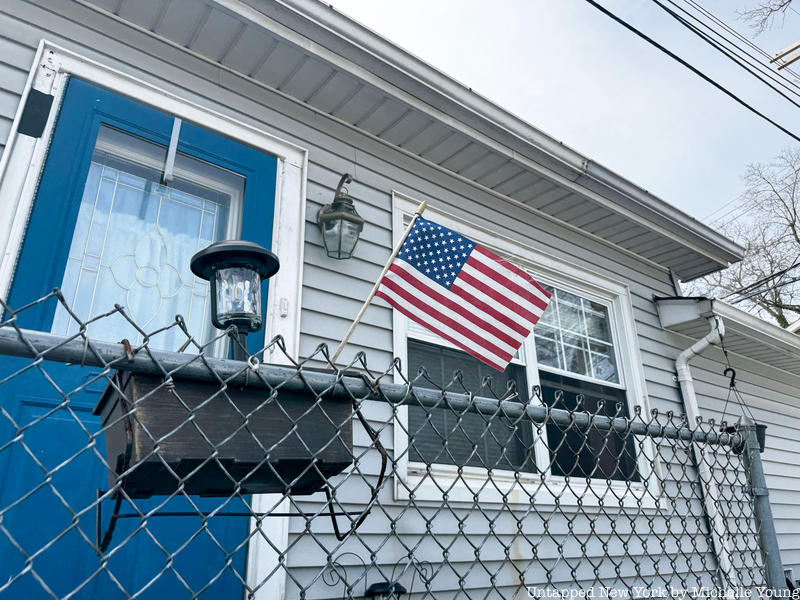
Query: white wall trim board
[[20, 171]]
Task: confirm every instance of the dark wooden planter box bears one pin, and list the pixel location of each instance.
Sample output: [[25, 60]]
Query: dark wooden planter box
[[324, 437]]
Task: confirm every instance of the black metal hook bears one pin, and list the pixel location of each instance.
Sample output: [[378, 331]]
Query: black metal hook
[[344, 180], [732, 371]]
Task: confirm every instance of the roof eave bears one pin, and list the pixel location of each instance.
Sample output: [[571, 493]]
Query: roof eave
[[681, 313], [401, 70]]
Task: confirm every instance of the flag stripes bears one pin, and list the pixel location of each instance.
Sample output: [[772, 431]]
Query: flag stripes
[[464, 293], [487, 320], [437, 307]]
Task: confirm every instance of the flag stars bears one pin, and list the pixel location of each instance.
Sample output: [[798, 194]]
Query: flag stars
[[435, 252]]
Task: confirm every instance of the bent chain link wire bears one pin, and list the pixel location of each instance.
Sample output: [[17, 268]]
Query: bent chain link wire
[[440, 528]]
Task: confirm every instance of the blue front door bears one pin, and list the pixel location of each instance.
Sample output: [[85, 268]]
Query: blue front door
[[107, 227]]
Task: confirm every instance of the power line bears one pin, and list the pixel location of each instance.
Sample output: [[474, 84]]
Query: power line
[[754, 57], [694, 70], [746, 205], [760, 282], [735, 213], [763, 292], [730, 216], [716, 210], [752, 60], [735, 58], [700, 8], [739, 36], [776, 280]]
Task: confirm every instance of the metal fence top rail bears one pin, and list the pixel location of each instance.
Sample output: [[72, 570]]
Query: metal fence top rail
[[335, 383]]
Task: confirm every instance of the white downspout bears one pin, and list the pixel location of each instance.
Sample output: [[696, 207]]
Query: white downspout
[[684, 373], [708, 485]]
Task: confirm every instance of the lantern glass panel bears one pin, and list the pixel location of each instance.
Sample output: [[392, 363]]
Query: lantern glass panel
[[341, 237], [238, 292], [350, 233]]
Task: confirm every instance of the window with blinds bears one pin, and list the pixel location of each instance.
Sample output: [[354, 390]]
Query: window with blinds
[[575, 349], [575, 355]]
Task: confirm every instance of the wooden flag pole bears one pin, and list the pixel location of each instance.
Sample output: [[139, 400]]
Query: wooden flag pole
[[420, 210]]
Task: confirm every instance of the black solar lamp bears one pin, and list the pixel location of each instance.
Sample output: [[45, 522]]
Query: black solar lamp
[[235, 270]]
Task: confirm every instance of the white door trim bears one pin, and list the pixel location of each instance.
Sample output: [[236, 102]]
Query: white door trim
[[20, 170]]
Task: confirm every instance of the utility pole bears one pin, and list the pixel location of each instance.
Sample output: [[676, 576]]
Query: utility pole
[[783, 57]]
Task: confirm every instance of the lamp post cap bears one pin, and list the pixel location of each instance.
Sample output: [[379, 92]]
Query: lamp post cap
[[234, 253]]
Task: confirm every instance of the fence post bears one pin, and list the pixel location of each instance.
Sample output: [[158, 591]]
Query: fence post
[[770, 553]]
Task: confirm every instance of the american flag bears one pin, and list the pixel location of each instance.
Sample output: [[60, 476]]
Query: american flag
[[463, 292]]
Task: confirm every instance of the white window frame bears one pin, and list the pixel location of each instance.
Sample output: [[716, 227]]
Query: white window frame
[[613, 294], [20, 170]]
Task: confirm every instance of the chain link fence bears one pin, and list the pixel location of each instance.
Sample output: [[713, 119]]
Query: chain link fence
[[131, 472]]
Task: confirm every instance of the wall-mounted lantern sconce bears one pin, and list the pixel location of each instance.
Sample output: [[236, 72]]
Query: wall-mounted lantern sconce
[[339, 223], [384, 590], [235, 270]]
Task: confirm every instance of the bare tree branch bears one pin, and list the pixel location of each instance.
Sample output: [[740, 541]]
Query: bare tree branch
[[763, 15], [769, 231]]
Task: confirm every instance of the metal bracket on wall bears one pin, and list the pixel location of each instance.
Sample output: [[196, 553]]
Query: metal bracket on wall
[[102, 541]]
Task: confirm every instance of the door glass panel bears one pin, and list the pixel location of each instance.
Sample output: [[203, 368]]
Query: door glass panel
[[134, 238]]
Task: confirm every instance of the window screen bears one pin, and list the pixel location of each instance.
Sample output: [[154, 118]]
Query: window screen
[[592, 453], [437, 437]]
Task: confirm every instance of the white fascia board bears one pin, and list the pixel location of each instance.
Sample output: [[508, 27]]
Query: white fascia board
[[757, 329], [674, 312], [403, 75]]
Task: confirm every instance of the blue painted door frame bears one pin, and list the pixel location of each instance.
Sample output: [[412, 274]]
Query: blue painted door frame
[[57, 425]]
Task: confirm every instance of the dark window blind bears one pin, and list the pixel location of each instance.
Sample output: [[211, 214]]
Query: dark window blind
[[444, 436], [581, 453]]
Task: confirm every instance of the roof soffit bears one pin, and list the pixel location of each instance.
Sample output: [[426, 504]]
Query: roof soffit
[[321, 58]]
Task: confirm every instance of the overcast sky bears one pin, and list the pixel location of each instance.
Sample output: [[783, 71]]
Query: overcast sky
[[580, 77]]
